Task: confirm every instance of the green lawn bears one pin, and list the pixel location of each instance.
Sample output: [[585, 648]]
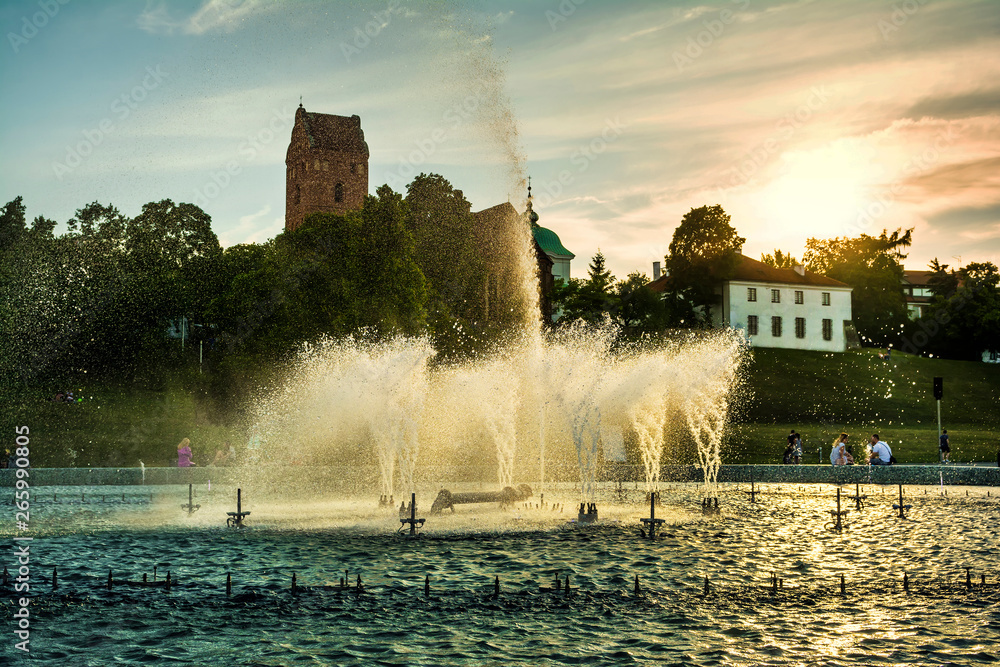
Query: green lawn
[[818, 394], [821, 394]]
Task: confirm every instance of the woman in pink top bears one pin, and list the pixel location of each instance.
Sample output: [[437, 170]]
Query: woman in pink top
[[184, 454]]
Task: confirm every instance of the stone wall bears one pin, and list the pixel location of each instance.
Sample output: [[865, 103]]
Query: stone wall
[[323, 475]]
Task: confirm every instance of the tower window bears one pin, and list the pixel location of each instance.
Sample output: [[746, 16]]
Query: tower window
[[354, 167], [298, 194], [338, 192]]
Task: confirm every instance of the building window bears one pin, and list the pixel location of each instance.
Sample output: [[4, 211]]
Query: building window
[[826, 298], [751, 294], [338, 192], [752, 327], [776, 296], [800, 327], [827, 329], [799, 297], [776, 327]]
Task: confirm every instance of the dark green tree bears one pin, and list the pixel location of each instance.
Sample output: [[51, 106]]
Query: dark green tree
[[439, 219], [592, 299], [639, 309], [704, 252], [963, 319], [872, 266]]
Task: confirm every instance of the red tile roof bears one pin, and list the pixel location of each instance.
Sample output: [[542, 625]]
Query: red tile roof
[[750, 270], [920, 278]]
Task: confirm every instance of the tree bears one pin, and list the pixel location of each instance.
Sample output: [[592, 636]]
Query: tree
[[704, 252], [12, 223], [963, 319], [780, 260], [591, 299], [439, 219], [872, 266], [639, 309]]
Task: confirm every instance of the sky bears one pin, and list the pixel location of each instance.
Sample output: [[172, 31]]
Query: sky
[[800, 118]]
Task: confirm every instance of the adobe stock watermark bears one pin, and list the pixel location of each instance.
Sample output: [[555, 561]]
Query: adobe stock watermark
[[714, 28], [372, 29], [248, 151], [452, 119], [121, 108], [566, 8], [901, 13], [582, 157], [31, 25], [917, 164], [22, 546], [785, 129]]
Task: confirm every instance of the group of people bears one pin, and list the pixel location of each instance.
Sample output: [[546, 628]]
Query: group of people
[[185, 459], [879, 452], [793, 452]]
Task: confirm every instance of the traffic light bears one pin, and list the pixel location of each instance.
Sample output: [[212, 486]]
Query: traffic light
[[938, 388]]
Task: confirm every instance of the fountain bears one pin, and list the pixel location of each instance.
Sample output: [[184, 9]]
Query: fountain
[[537, 401]]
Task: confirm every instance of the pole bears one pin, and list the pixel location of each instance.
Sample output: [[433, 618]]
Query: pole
[[413, 514], [201, 354], [940, 453]]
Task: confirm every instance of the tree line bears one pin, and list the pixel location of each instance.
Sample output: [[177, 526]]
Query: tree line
[[94, 303], [961, 321]]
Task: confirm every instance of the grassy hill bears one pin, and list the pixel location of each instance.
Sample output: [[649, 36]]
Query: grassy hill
[[821, 394]]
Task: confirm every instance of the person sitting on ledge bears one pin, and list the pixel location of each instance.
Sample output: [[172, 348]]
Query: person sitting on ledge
[[881, 454], [222, 456], [184, 454], [839, 456]]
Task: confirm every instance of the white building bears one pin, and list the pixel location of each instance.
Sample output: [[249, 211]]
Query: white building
[[788, 308]]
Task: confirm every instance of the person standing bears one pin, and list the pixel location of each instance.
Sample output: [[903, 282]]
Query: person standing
[[798, 448], [881, 454], [945, 446]]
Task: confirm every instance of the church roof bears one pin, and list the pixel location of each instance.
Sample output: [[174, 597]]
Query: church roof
[[337, 133], [549, 242]]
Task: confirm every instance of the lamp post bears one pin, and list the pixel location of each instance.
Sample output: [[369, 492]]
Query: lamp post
[[938, 393]]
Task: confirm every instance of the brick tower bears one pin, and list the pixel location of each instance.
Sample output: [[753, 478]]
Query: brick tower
[[326, 166]]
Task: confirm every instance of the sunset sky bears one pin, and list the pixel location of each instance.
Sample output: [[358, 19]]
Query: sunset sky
[[801, 118]]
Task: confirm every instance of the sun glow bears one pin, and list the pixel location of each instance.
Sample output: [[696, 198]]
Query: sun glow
[[816, 193]]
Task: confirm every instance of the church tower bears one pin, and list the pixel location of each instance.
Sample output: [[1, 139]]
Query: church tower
[[326, 166]]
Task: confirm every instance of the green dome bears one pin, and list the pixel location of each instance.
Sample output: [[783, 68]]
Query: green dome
[[549, 241]]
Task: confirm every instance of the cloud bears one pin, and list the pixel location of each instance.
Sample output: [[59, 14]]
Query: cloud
[[212, 16], [975, 103], [253, 228]]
